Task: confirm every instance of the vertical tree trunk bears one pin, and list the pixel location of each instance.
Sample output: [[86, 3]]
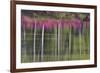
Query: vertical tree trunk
[[58, 41], [34, 42], [42, 49], [80, 43], [69, 51], [24, 38]]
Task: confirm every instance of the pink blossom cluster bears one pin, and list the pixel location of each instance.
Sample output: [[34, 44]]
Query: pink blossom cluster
[[50, 23]]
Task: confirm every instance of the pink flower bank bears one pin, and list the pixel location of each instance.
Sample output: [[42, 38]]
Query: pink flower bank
[[48, 23]]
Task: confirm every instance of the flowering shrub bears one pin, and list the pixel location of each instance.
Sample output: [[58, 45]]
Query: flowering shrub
[[52, 23]]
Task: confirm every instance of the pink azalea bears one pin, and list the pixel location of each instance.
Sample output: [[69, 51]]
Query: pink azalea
[[87, 21], [50, 23], [72, 23], [27, 21], [47, 23], [76, 23], [66, 23]]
